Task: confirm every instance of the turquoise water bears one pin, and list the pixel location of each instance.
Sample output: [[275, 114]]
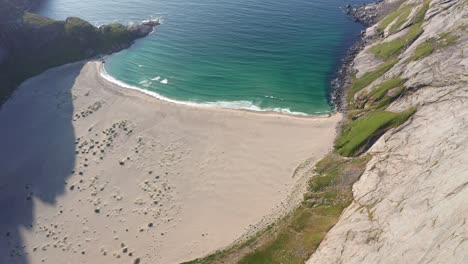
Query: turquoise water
[[255, 54]]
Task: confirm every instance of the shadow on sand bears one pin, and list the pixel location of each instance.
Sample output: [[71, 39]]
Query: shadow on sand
[[37, 155]]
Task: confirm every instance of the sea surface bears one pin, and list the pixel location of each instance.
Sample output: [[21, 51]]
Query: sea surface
[[275, 55]]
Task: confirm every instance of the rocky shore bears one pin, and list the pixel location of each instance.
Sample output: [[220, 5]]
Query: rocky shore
[[365, 14]]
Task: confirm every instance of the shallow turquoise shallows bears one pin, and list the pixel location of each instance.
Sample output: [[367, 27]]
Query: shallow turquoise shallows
[[253, 54]]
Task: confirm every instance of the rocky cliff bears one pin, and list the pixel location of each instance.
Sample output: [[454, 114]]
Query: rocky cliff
[[30, 44], [410, 203]]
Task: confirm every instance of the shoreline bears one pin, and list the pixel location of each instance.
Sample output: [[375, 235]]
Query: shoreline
[[106, 77], [339, 85], [195, 172]]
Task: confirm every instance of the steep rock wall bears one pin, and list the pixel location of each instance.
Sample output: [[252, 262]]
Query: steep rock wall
[[411, 202]]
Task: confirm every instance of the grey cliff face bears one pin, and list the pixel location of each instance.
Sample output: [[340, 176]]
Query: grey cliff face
[[411, 202], [144, 28]]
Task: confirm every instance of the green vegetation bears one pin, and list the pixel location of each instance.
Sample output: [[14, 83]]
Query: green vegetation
[[380, 96], [368, 78], [423, 50], [358, 135], [382, 89], [329, 193], [294, 238], [35, 20], [388, 49], [383, 24], [427, 48], [449, 40], [404, 13], [391, 48], [35, 43], [419, 17]]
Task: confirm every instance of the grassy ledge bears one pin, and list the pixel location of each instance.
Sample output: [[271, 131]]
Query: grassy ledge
[[388, 49], [387, 20], [360, 83], [382, 95], [427, 48], [423, 50], [392, 48], [404, 13], [359, 135]]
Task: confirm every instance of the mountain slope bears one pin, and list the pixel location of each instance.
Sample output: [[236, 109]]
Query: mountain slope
[[410, 203]]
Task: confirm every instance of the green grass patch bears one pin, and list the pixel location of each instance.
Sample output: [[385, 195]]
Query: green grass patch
[[388, 99], [385, 21], [379, 96], [327, 163], [357, 136], [449, 40], [427, 48], [368, 78], [421, 14], [423, 50], [36, 20], [391, 48], [382, 89], [404, 13], [297, 240]]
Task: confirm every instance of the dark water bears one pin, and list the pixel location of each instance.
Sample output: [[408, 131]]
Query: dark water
[[254, 54]]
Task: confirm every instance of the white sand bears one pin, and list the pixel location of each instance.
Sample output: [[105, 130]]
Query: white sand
[[192, 180]]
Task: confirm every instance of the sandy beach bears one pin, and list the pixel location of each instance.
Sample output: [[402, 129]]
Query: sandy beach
[[96, 173]]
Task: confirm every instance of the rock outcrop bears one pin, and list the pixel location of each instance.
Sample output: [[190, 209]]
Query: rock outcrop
[[410, 205]]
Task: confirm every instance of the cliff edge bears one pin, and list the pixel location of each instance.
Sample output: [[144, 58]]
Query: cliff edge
[[410, 203]]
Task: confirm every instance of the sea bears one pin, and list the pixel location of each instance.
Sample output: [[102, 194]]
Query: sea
[[261, 55]]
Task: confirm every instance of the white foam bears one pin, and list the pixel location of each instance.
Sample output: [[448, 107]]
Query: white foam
[[165, 81], [156, 78], [146, 83], [244, 105]]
